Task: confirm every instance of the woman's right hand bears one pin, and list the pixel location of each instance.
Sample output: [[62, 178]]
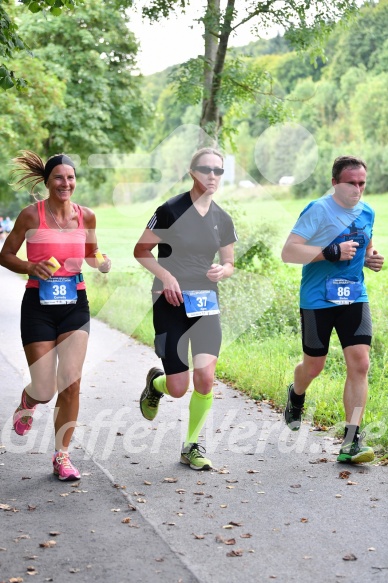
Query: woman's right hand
[[172, 291], [40, 269]]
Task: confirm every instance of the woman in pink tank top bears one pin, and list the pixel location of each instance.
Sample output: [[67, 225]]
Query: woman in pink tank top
[[60, 235]]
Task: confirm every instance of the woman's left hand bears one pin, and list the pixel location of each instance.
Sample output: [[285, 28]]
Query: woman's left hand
[[105, 267], [216, 272]]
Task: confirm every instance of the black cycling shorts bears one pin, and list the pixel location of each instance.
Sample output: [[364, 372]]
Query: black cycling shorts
[[174, 330], [45, 323], [352, 323]]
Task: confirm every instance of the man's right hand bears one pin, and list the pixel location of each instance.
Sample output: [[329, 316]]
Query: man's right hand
[[348, 250]]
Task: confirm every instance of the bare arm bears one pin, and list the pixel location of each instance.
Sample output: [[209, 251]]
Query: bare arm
[[296, 250], [91, 246], [143, 254], [26, 221], [225, 268], [373, 259]]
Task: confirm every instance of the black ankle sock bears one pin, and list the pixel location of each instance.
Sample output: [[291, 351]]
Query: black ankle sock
[[351, 431], [297, 400]]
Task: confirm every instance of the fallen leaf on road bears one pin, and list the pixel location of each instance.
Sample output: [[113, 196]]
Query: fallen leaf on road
[[31, 507], [198, 536], [231, 481], [304, 519], [295, 486], [350, 557], [344, 475], [170, 480], [31, 570], [227, 526], [16, 580], [126, 520], [235, 523], [73, 570], [246, 535], [235, 553], [180, 491], [54, 533], [7, 507], [223, 506], [350, 483], [47, 544], [322, 460], [147, 483], [141, 500], [252, 471], [115, 509]]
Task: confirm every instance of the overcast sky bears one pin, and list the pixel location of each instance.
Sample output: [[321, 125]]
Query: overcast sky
[[175, 40]]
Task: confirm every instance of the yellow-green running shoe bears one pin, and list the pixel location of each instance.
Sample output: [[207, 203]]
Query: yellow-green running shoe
[[150, 397], [191, 455], [354, 452]]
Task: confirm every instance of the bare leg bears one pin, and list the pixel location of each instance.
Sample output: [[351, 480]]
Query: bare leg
[[71, 349], [356, 384], [306, 371]]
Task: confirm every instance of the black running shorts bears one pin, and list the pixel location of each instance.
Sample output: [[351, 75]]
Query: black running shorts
[[352, 323], [45, 323], [174, 330]]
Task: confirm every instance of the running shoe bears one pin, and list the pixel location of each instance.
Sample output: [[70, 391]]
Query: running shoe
[[292, 414], [354, 452], [150, 397], [191, 455], [63, 468], [22, 418]]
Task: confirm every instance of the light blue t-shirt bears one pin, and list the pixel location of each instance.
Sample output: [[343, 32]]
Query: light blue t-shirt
[[321, 223]]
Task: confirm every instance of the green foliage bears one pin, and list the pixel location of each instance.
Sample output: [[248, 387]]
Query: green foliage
[[10, 41]]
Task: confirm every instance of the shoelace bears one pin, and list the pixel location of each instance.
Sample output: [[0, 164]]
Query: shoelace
[[154, 398], [196, 450], [64, 460]]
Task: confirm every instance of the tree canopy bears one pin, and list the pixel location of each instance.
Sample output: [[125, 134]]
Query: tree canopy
[[307, 25]]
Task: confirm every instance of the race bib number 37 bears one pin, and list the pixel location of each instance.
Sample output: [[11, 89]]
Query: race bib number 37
[[58, 290], [200, 303]]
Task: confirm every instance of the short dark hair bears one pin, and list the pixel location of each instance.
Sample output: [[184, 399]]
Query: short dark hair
[[343, 162]]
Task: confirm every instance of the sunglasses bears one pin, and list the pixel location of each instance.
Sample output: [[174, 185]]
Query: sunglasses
[[207, 170]]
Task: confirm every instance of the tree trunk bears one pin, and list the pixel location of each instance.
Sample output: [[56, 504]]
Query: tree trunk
[[215, 54]]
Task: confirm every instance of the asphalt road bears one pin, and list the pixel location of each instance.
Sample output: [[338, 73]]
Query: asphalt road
[[275, 507]]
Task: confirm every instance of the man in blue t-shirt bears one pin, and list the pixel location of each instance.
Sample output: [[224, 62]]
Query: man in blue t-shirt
[[333, 240]]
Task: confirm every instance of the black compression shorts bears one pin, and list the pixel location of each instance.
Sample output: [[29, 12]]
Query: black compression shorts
[[174, 330], [45, 323], [352, 323]]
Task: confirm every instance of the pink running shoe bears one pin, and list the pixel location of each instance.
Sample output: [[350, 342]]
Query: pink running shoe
[[63, 468], [22, 418]]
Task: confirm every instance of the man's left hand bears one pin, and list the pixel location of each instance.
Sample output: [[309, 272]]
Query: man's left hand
[[374, 261]]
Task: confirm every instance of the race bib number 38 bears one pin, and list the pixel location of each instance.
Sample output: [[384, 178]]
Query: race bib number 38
[[58, 290], [342, 291], [200, 303]]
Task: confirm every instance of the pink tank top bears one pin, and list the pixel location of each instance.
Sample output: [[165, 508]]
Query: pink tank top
[[67, 246]]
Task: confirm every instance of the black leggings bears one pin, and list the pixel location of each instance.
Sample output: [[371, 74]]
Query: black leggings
[[174, 330], [352, 323], [44, 323]]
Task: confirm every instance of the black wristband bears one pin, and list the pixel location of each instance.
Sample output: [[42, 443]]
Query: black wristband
[[332, 252]]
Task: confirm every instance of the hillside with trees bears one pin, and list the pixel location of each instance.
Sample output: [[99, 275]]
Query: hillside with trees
[[85, 97]]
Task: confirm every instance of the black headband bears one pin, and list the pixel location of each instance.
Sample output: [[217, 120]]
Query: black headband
[[56, 161]]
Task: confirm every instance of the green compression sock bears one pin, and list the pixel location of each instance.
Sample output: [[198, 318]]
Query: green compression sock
[[199, 408], [160, 384]]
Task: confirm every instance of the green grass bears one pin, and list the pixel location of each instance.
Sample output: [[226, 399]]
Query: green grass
[[261, 361]]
